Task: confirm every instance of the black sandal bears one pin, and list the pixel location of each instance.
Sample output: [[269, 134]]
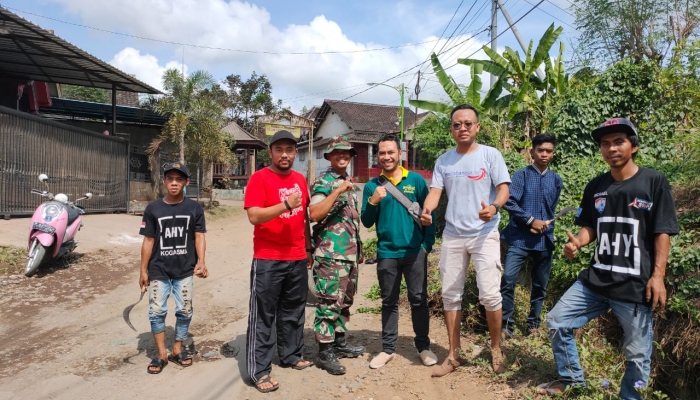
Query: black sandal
[[158, 363], [266, 379], [298, 367], [180, 358]]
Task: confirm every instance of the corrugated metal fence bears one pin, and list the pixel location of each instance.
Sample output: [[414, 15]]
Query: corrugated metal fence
[[76, 160]]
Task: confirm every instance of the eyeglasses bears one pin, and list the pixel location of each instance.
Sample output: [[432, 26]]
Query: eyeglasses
[[467, 125]]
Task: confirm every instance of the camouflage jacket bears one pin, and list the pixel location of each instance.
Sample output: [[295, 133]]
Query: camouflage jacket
[[339, 236]]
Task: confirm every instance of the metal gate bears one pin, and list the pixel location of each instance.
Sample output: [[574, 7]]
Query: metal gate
[[76, 160]]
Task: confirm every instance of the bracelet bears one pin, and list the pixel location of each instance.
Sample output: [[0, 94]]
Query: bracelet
[[286, 204], [530, 221], [370, 203], [309, 250]]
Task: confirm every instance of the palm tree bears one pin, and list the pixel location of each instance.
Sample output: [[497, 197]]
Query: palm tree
[[195, 120]]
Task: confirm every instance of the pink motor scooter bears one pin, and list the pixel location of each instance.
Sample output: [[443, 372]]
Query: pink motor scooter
[[54, 225]]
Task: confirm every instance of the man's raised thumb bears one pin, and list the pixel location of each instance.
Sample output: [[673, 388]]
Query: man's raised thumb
[[572, 238], [483, 204]]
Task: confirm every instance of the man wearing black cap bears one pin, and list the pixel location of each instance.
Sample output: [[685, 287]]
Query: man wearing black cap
[[168, 263], [629, 212], [276, 200]]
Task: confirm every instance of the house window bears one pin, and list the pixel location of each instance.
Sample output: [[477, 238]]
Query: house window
[[319, 154], [302, 156]]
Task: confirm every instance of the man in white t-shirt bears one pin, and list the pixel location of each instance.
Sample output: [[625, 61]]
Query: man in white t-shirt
[[475, 178]]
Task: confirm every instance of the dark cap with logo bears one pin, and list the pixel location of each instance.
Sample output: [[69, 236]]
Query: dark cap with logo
[[280, 135], [176, 166], [339, 143], [614, 125]]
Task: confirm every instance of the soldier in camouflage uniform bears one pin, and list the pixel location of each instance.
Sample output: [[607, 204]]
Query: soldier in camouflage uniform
[[338, 252]]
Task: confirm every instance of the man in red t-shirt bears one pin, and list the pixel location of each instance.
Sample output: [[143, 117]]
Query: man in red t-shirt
[[276, 200]]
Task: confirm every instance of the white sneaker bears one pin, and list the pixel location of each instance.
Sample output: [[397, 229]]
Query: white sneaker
[[381, 359], [428, 357]]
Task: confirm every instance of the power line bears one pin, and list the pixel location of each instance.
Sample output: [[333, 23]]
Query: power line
[[557, 18], [423, 69], [401, 73], [458, 25], [497, 36], [445, 30], [222, 48]]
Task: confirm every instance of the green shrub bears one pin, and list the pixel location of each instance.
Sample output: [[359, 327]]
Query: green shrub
[[369, 248]]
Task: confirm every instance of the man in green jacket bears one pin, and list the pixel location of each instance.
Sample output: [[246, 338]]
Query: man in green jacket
[[402, 249]]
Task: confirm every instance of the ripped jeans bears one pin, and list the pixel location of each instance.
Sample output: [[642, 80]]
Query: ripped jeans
[[158, 293]]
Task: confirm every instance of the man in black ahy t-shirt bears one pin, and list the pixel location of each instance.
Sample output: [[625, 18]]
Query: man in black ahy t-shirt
[[630, 214], [172, 252]]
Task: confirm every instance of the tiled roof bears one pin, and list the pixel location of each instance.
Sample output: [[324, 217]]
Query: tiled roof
[[364, 117], [241, 136], [312, 113]]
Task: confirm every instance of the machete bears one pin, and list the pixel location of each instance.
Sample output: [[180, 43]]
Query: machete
[[127, 310], [559, 215]]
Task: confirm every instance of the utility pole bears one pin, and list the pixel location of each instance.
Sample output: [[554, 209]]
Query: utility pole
[[494, 33], [539, 72]]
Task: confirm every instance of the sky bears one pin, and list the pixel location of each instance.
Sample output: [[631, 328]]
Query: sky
[[309, 50]]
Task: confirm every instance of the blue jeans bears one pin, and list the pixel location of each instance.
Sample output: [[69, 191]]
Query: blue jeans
[[158, 293], [541, 268], [580, 305]]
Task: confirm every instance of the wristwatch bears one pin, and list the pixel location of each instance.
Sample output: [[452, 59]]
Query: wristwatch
[[498, 208]]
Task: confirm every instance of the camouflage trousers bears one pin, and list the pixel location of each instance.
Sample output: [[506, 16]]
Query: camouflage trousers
[[336, 284]]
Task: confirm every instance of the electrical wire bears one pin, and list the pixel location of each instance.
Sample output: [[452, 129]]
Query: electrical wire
[[295, 53]]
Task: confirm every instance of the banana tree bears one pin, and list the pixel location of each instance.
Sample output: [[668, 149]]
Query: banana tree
[[518, 78], [471, 95]]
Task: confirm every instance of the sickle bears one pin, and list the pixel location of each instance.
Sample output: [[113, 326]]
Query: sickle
[[563, 211], [127, 310]]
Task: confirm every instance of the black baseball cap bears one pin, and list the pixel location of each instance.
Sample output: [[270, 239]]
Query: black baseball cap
[[614, 125], [279, 135], [176, 166]]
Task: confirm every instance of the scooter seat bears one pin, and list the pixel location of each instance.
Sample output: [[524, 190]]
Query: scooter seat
[[73, 214]]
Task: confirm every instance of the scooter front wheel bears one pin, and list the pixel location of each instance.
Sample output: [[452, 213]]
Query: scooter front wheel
[[36, 255]]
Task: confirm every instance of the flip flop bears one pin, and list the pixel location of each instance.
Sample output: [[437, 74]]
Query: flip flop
[[266, 379], [297, 366], [445, 368], [158, 363], [179, 358]]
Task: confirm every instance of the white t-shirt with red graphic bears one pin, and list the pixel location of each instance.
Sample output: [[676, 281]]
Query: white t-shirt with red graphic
[[281, 238], [468, 180]]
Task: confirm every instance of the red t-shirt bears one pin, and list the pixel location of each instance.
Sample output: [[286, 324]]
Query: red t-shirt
[[281, 238]]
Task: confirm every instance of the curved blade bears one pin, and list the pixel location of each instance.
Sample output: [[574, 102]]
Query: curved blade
[[127, 310], [564, 211]]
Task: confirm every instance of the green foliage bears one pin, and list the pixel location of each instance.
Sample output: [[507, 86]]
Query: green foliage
[[250, 97], [195, 119], [638, 29], [627, 89], [432, 137], [84, 93], [527, 94], [369, 248], [369, 310], [11, 259], [375, 292]]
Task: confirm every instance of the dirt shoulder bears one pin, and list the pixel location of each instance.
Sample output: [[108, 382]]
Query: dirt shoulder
[[64, 336]]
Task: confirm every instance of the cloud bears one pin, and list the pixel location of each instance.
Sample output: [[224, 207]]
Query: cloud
[[297, 79], [145, 67]]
